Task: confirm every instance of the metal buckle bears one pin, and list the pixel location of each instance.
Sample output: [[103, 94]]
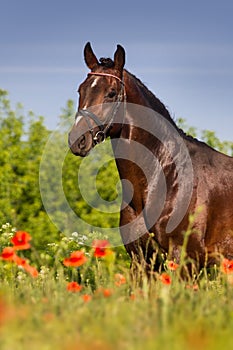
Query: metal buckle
[[99, 137]]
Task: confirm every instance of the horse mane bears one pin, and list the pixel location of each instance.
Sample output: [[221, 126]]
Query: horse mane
[[158, 106]]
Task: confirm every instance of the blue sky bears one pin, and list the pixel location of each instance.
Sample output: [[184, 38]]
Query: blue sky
[[182, 50]]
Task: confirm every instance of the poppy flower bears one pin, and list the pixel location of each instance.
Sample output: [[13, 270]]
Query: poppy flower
[[132, 296], [48, 316], [172, 266], [27, 267], [227, 266], [21, 240], [106, 292], [31, 270], [86, 297], [76, 259], [8, 253], [20, 261], [73, 287], [165, 278], [119, 279], [193, 287], [101, 248]]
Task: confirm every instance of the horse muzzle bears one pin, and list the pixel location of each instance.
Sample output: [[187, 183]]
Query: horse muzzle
[[80, 145]]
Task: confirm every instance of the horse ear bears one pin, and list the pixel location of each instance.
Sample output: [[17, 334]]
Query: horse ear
[[89, 56], [119, 58]]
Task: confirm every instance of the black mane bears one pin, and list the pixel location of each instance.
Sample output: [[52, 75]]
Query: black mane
[[157, 105], [160, 107], [106, 62]]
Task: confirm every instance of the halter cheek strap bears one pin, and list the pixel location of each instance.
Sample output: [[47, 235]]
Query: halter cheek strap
[[101, 134]]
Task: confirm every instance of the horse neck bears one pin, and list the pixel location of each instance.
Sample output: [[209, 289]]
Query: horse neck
[[145, 110], [155, 119]]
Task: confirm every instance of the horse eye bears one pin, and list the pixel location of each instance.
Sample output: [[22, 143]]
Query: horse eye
[[112, 94]]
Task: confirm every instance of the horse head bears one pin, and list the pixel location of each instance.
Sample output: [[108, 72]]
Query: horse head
[[100, 97]]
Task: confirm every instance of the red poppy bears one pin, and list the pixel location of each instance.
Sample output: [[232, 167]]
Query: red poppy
[[106, 292], [76, 258], [73, 287], [227, 266], [24, 264], [119, 279], [31, 269], [20, 261], [172, 265], [193, 287], [165, 278], [8, 253], [21, 240], [86, 297], [48, 317], [101, 248]]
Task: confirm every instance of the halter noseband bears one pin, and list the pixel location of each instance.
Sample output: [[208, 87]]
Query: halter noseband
[[100, 136]]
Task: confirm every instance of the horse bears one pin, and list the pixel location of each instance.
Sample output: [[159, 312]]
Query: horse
[[182, 188]]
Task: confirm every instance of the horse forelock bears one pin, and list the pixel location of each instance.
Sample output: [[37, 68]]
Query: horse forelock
[[106, 62]]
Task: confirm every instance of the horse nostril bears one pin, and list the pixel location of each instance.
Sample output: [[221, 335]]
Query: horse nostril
[[82, 142]]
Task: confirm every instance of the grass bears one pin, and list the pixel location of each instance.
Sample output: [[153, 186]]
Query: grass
[[110, 311]]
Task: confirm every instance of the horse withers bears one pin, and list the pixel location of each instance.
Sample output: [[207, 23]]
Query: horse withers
[[174, 176]]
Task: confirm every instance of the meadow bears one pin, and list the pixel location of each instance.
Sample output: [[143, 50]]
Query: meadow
[[76, 297], [58, 293]]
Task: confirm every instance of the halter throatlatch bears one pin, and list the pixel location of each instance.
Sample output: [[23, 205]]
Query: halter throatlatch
[[100, 135]]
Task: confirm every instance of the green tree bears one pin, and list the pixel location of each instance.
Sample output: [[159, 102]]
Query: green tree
[[207, 136], [11, 159], [19, 172]]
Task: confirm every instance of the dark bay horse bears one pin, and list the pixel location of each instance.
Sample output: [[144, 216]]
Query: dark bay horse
[[171, 182]]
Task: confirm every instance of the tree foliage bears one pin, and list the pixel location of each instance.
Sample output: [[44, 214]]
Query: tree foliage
[[208, 136], [20, 157]]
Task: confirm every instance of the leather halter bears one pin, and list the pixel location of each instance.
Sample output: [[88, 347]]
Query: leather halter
[[100, 136], [107, 75]]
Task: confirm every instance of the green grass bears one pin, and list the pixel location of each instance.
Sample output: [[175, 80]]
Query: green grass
[[40, 313]]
